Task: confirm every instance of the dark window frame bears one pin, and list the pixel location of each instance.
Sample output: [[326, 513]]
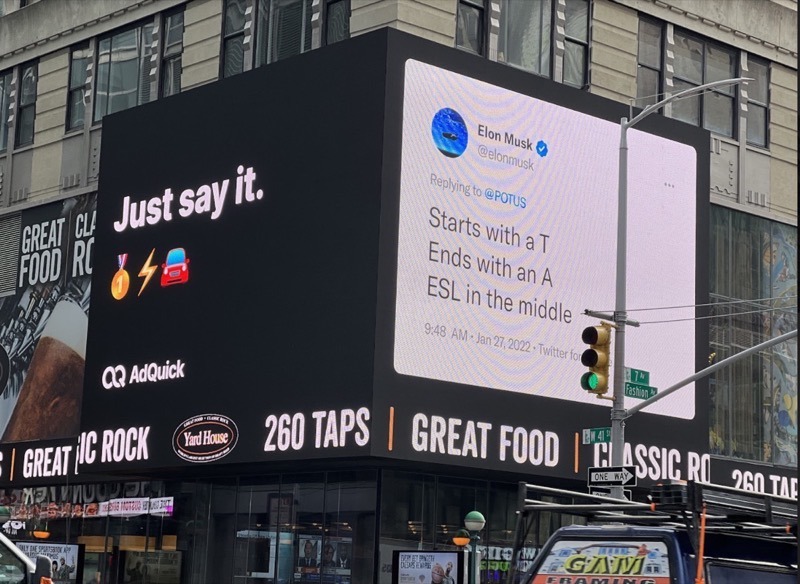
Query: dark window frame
[[585, 44], [24, 108], [140, 26], [5, 88], [227, 37], [551, 53], [726, 91], [324, 31], [759, 104], [661, 53], [483, 33], [73, 90], [168, 60]]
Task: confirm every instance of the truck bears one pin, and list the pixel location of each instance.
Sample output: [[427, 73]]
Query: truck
[[684, 533], [17, 568]]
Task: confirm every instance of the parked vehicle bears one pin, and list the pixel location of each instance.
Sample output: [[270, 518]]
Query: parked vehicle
[[688, 533]]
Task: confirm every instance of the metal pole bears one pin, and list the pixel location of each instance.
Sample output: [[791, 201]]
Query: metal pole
[[618, 413], [473, 552], [709, 370], [620, 314]]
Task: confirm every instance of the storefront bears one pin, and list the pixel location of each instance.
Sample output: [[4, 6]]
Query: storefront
[[336, 305]]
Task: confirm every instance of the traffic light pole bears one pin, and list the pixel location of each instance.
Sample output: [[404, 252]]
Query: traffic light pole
[[620, 312], [618, 412]]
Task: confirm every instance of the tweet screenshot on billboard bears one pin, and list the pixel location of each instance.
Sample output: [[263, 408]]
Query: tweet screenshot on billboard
[[507, 233]]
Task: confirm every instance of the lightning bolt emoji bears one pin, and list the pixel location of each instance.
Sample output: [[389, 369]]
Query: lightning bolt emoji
[[147, 272]]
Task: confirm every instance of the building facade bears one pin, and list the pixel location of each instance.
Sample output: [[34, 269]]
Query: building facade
[[67, 64]]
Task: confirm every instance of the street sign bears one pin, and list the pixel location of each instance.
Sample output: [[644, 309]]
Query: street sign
[[612, 476], [637, 376], [596, 435], [606, 492], [639, 391]]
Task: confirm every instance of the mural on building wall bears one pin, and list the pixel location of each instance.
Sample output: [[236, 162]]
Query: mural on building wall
[[43, 322], [780, 373]]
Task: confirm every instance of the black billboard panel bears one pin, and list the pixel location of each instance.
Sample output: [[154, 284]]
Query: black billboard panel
[[234, 314]]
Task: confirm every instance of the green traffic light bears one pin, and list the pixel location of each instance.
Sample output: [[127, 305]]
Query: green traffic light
[[589, 381]]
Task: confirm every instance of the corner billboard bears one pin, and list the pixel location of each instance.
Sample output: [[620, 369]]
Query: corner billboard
[[399, 273]]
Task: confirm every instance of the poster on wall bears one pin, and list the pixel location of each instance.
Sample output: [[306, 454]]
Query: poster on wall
[[309, 554], [67, 559], [43, 321], [427, 567], [153, 567]]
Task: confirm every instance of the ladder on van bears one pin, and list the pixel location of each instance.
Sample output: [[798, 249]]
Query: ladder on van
[[684, 505]]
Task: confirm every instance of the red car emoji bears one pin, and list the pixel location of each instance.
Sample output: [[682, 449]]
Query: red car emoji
[[176, 268]]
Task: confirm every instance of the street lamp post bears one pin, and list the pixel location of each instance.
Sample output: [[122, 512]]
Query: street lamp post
[[474, 522], [618, 413]]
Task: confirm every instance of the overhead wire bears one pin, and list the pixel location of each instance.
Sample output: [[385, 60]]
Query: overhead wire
[[708, 316]]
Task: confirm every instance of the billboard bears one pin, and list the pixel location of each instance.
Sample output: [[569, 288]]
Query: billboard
[[43, 321], [507, 233], [499, 230], [234, 314], [404, 279]]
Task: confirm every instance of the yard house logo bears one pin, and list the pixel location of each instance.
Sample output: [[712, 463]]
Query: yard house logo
[[205, 438], [449, 132]]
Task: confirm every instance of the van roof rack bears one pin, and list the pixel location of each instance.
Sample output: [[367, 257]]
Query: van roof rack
[[673, 504]]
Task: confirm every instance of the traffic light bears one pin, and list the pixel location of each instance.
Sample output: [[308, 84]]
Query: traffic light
[[597, 358]]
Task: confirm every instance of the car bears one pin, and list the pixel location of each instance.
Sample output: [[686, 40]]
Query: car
[[176, 269]]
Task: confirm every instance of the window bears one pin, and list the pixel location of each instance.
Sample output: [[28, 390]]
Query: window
[[79, 61], [290, 30], [123, 70], [525, 32], [26, 109], [757, 102], [576, 43], [233, 38], [172, 54], [648, 76], [698, 62], [527, 35], [337, 21], [469, 26], [753, 283], [5, 97], [284, 28]]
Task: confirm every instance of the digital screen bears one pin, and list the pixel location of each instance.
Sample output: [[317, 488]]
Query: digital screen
[[232, 261], [508, 233]]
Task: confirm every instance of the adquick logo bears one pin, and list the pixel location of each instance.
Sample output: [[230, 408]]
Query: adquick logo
[[116, 376], [449, 132]]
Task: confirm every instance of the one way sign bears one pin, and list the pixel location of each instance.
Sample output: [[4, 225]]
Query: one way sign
[[612, 476]]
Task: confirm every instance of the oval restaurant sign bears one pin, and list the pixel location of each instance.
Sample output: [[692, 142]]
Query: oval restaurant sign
[[205, 438]]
